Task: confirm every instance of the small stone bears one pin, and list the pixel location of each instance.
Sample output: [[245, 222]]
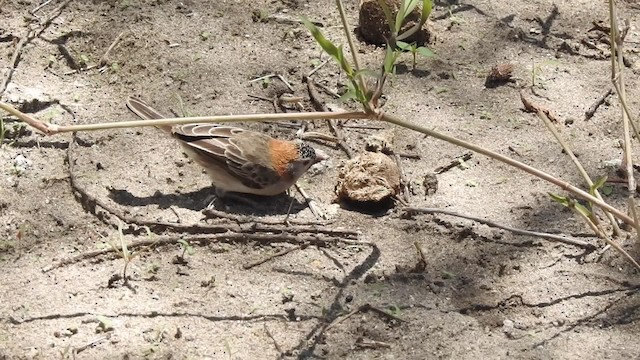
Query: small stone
[[508, 327], [430, 184], [22, 162]]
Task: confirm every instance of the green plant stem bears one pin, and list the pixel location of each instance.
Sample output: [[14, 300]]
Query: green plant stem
[[581, 170], [509, 161], [352, 47]]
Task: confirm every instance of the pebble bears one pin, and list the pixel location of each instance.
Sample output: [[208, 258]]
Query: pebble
[[21, 163]]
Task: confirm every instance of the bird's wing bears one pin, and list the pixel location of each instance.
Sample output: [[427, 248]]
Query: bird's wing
[[218, 145]]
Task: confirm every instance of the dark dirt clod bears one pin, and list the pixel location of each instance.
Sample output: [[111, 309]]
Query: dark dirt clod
[[373, 27]]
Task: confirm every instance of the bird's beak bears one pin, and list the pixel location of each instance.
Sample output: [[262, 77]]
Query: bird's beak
[[321, 155]]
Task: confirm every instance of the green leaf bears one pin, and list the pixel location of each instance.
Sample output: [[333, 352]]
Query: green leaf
[[366, 72], [562, 200], [405, 9], [326, 45], [399, 18], [607, 190], [390, 58], [410, 5], [403, 46], [426, 52], [348, 95], [104, 323], [583, 210], [597, 185], [424, 15]]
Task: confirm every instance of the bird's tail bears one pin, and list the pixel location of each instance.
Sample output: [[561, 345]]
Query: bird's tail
[[146, 112]]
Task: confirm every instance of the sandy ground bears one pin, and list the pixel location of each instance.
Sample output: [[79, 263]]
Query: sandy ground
[[482, 292]]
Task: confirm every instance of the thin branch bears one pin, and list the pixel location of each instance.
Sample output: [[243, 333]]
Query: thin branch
[[593, 108], [546, 236], [105, 58], [51, 129], [253, 264], [509, 161], [617, 77], [319, 106], [157, 241]]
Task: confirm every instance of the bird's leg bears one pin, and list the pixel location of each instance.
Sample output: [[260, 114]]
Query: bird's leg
[[226, 197]]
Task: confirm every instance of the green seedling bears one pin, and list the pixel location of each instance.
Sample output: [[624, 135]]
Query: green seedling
[[393, 310], [260, 15], [265, 82], [183, 109], [205, 35], [414, 49], [84, 61], [104, 324], [186, 248], [536, 69], [454, 19], [52, 60], [122, 250], [448, 275]]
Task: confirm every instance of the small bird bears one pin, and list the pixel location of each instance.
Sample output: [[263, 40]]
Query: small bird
[[238, 160]]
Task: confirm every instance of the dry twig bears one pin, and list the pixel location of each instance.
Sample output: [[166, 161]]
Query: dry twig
[[546, 236], [253, 264], [156, 241], [593, 108]]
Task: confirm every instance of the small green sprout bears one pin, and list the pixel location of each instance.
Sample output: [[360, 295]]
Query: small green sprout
[[414, 49], [186, 248], [122, 250], [104, 324], [205, 35]]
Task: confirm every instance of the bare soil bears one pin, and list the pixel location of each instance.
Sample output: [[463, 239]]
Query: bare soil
[[481, 293]]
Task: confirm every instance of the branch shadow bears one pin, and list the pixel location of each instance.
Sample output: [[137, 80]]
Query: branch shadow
[[245, 204]]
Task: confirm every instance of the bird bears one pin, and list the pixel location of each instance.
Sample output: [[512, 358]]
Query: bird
[[238, 160]]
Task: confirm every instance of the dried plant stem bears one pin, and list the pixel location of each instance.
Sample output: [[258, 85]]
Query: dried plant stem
[[509, 161], [617, 78], [596, 229], [51, 129], [581, 170]]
